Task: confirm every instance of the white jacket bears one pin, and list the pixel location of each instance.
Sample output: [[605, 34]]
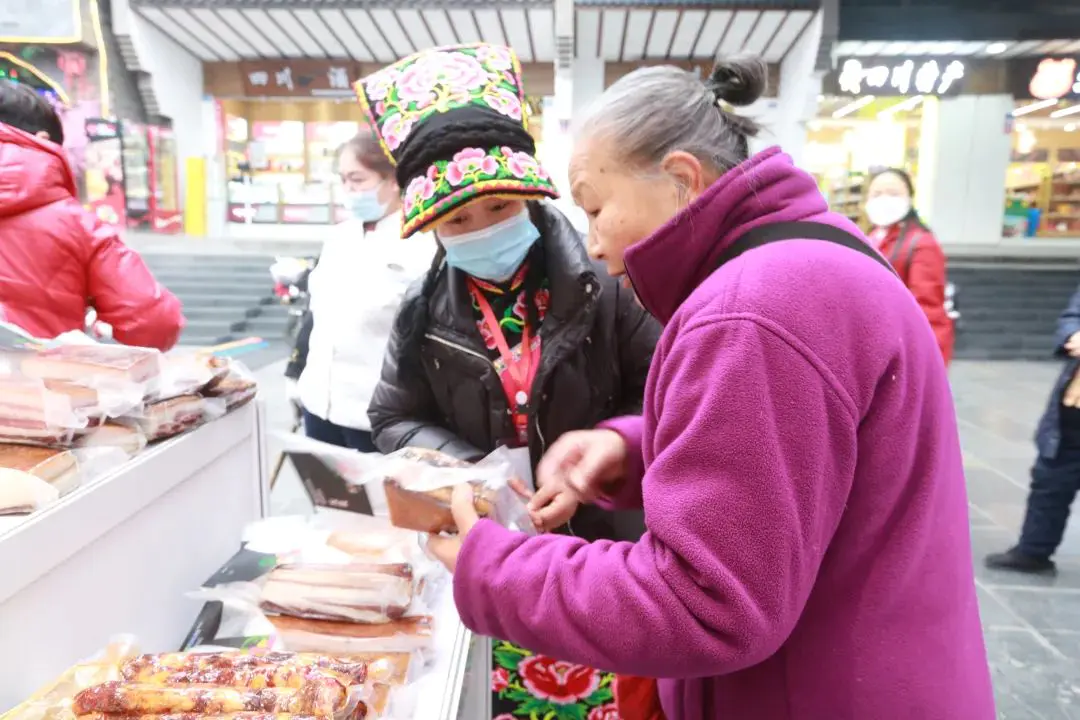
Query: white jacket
[[355, 292]]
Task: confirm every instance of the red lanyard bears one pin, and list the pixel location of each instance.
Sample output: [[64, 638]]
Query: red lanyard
[[520, 372]]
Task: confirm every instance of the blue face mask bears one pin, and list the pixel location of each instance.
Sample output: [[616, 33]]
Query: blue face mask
[[493, 253], [365, 206]]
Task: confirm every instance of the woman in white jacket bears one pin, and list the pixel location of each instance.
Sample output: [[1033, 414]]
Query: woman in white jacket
[[356, 287]]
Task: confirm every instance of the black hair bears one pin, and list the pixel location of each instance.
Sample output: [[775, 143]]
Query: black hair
[[905, 177], [23, 108], [440, 137]]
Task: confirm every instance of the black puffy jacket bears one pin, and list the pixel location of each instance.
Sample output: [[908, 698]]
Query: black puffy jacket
[[597, 345]]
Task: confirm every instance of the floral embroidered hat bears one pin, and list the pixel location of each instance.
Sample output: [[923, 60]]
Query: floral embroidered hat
[[452, 120]]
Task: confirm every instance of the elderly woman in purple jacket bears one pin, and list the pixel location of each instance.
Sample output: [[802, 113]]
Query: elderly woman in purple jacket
[[807, 553]]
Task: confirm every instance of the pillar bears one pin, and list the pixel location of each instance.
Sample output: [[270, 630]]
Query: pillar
[[575, 89], [797, 95], [964, 152]]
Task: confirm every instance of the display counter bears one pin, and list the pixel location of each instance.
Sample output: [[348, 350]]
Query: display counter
[[120, 554]]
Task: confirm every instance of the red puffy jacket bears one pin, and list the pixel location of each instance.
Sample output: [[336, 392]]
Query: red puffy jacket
[[56, 258], [918, 258]]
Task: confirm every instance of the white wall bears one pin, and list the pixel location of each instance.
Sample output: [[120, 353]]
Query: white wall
[[964, 156], [177, 78], [800, 84], [574, 92]]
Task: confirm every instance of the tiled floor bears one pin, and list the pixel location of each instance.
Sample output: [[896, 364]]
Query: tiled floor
[[1032, 625]]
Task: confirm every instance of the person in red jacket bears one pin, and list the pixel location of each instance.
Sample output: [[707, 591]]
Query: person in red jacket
[[912, 249], [56, 258]]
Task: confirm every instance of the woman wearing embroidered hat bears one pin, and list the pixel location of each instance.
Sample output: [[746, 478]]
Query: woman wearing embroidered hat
[[515, 337], [807, 554]]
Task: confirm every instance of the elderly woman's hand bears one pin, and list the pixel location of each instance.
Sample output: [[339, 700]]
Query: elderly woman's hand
[[446, 548], [579, 467]]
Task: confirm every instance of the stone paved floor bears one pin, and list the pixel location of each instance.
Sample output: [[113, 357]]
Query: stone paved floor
[[1032, 625]]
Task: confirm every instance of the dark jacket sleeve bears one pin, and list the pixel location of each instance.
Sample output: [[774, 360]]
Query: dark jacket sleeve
[[402, 409], [298, 359], [1067, 325], [638, 333]]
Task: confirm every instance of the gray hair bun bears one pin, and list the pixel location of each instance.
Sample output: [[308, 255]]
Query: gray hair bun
[[739, 80]]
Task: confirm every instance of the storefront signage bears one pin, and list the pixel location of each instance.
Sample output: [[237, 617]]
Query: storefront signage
[[897, 76], [40, 21], [1050, 78], [299, 78]]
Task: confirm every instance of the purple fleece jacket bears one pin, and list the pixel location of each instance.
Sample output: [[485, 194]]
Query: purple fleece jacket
[[807, 554]]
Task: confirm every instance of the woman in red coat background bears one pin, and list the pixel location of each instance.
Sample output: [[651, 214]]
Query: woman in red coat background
[[57, 259], [912, 249]]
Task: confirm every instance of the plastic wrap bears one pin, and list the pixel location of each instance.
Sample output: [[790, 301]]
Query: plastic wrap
[[22, 493], [128, 439], [236, 387], [410, 634], [419, 483], [190, 373], [53, 702], [124, 375], [169, 418], [58, 468], [355, 592], [239, 685]]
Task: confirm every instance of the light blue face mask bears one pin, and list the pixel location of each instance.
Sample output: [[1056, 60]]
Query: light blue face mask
[[495, 252], [365, 206]]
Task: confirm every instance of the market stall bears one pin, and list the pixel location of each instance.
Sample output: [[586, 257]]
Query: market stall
[[118, 555], [342, 601]]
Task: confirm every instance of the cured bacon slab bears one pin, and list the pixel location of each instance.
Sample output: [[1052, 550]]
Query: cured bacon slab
[[84, 364], [357, 592]]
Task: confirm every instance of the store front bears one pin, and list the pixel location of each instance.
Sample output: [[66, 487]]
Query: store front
[[279, 125], [1043, 181], [977, 102], [992, 143]]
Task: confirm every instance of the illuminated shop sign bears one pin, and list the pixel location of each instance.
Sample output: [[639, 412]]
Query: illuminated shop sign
[[897, 76], [1054, 79]]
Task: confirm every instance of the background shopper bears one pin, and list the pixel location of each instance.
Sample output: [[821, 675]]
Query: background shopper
[[362, 274], [807, 552], [514, 338], [911, 247], [56, 258], [1055, 478]]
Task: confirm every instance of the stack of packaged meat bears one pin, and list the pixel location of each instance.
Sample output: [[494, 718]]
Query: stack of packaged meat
[[64, 399], [234, 685]]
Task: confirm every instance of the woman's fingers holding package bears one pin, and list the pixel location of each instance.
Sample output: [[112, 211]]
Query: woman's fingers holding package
[[462, 505], [556, 513]]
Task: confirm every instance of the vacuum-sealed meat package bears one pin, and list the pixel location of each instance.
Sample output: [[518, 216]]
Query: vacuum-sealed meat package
[[94, 365], [407, 635], [127, 438], [356, 592], [236, 387], [168, 418], [58, 468], [419, 484], [324, 697], [22, 493], [190, 373]]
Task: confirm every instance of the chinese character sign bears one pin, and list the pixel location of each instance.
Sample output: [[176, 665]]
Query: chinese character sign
[[298, 78], [897, 76]]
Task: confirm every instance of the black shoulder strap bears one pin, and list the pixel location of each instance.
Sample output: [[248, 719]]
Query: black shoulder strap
[[778, 232]]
